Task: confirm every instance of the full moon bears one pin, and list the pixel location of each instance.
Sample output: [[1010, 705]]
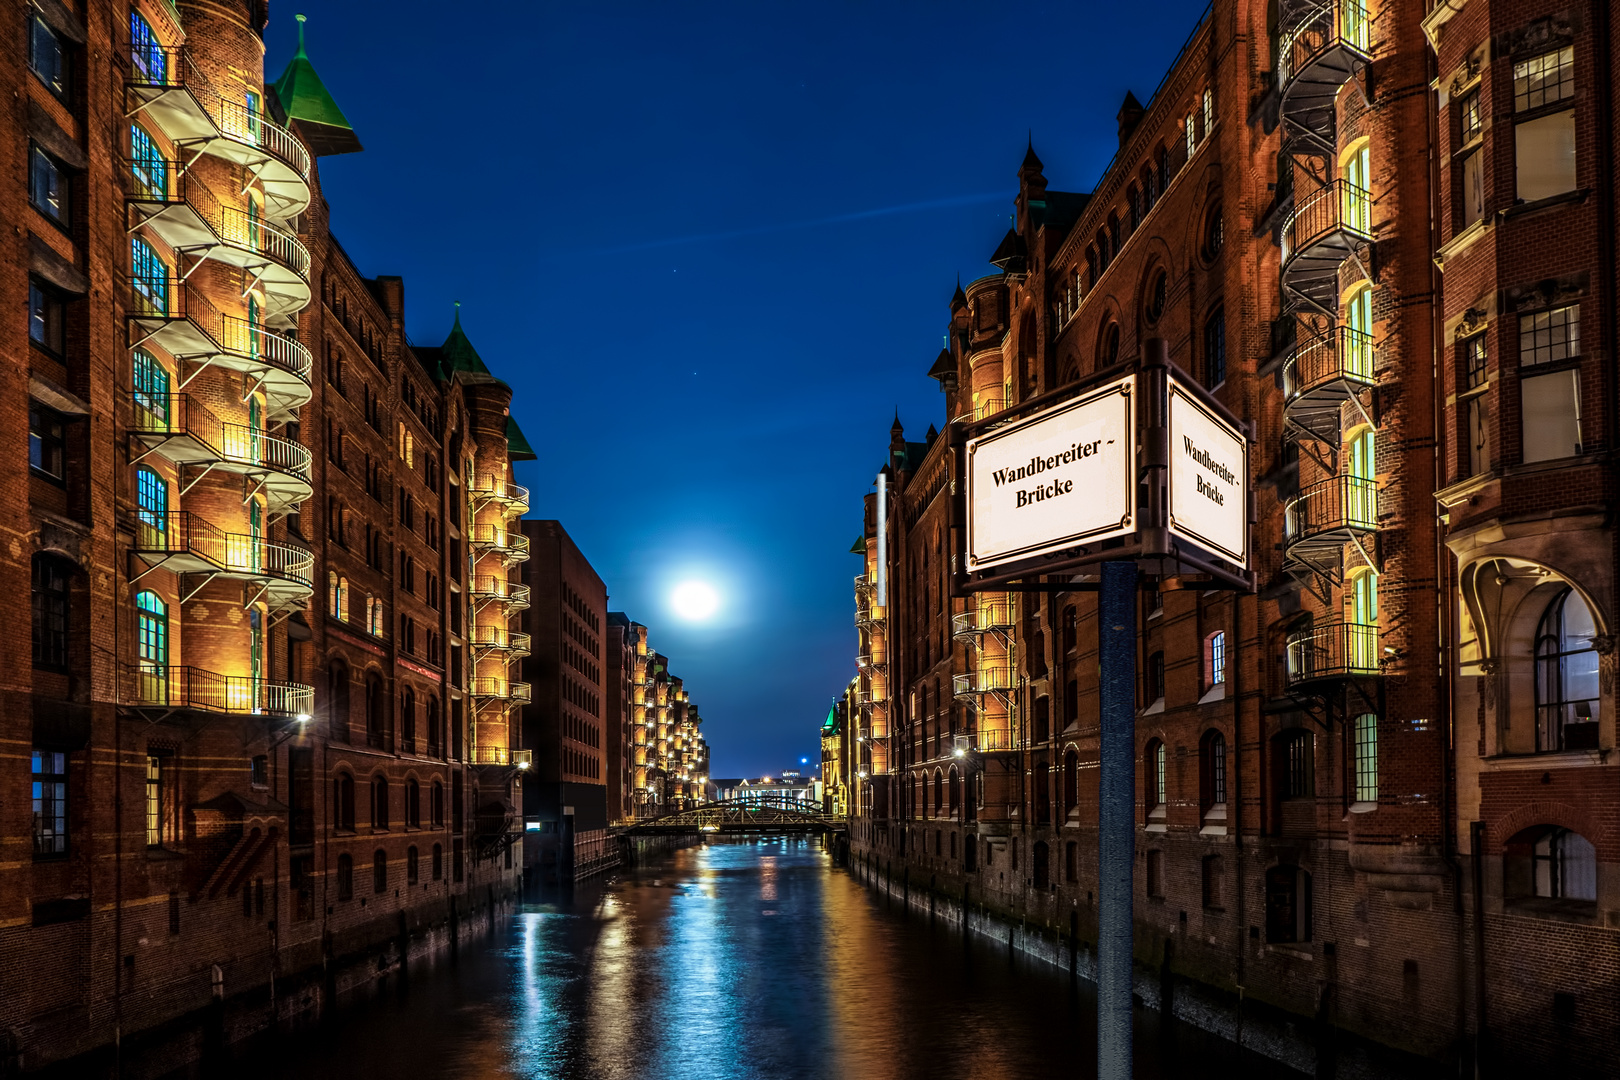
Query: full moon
[[694, 600]]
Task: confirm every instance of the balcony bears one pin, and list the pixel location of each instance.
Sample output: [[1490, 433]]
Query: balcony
[[863, 585], [508, 547], [166, 89], [863, 612], [1336, 650], [487, 589], [513, 498], [983, 615], [178, 319], [869, 661], [186, 432], [1320, 375], [499, 689], [1322, 232], [490, 755], [1315, 58], [512, 643], [986, 680], [1325, 516], [989, 742], [181, 541], [175, 687]]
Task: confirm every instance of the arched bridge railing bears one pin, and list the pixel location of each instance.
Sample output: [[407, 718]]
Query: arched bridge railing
[[743, 816]]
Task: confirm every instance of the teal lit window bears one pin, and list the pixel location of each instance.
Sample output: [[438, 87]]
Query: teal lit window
[[152, 630], [146, 51], [151, 387], [152, 495], [150, 276], [146, 163]]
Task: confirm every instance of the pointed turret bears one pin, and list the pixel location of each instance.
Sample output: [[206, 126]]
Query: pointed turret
[[457, 355], [1032, 162], [958, 298], [305, 99]]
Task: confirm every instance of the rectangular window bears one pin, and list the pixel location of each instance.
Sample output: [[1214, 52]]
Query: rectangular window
[[1217, 658], [47, 185], [1472, 120], [1471, 381], [1471, 365], [1544, 150], [158, 832], [1546, 337], [1300, 766], [47, 56], [1478, 434], [47, 441], [1366, 733], [1551, 415], [46, 323], [50, 802], [50, 613], [1215, 349], [1473, 188], [1544, 80]]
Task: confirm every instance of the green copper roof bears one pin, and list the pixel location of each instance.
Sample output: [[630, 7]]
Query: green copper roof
[[307, 100], [859, 546], [458, 354], [517, 447]]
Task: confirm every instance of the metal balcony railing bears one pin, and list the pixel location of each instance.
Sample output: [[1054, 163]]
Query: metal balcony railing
[[984, 680], [1332, 509], [492, 588], [991, 741], [174, 686], [1333, 650], [501, 639], [981, 616], [1322, 232], [489, 489], [499, 689], [863, 584], [1322, 373], [187, 431], [1335, 25], [495, 540], [194, 544], [491, 755]]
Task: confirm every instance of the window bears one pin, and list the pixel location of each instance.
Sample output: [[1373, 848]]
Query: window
[[47, 56], [374, 616], [1544, 80], [1547, 337], [1567, 683], [146, 51], [1471, 381], [50, 802], [1299, 765], [1214, 232], [1212, 770], [50, 612], [1550, 414], [437, 807], [149, 275], [47, 441], [1209, 111], [1563, 866], [1155, 678], [413, 804], [1108, 346], [438, 862], [345, 877], [152, 633], [1192, 133], [1288, 905], [259, 771], [1470, 118], [1472, 178], [1357, 191], [1157, 291], [1214, 880], [411, 871], [152, 500], [48, 185], [1215, 658], [1365, 757], [379, 871], [46, 319], [343, 802], [1215, 348], [151, 383], [341, 611], [379, 803], [158, 811], [1544, 153], [1153, 768]]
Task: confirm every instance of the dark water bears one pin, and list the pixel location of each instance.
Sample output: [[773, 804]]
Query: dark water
[[729, 962]]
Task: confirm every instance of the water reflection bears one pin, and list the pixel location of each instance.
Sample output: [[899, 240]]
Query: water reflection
[[729, 961]]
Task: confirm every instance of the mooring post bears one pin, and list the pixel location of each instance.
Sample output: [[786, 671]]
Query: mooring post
[[1116, 839]]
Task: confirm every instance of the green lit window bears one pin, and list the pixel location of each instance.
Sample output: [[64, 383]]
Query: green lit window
[[152, 631], [151, 387], [146, 163]]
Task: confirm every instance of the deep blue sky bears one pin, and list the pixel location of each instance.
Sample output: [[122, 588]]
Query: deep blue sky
[[711, 246]]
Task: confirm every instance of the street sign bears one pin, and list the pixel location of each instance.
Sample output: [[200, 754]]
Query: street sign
[[1061, 477], [1209, 478]]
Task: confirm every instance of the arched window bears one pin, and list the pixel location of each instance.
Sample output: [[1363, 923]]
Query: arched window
[[438, 862], [1215, 659], [1288, 905], [379, 871], [1361, 493], [332, 607], [939, 793], [437, 807], [413, 804], [146, 165], [1214, 232], [379, 802], [151, 380], [1356, 193], [343, 802], [955, 791], [51, 610], [1567, 685], [1071, 783], [345, 877], [152, 500], [1550, 863], [1365, 759], [1108, 346], [1297, 760], [1357, 339], [433, 723], [337, 698], [1043, 793], [411, 871], [407, 718], [152, 631], [146, 51], [1211, 771], [1153, 778], [343, 598], [1362, 640], [150, 277], [1156, 296], [1215, 347]]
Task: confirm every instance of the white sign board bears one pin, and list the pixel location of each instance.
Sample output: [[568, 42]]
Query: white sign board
[[1060, 478], [1209, 479]]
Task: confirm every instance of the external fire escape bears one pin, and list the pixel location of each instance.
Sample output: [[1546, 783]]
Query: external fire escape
[[993, 678], [1329, 369]]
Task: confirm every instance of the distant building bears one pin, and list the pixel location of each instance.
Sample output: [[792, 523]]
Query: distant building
[[790, 786]]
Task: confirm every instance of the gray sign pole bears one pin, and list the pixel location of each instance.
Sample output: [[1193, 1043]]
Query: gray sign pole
[[1116, 836]]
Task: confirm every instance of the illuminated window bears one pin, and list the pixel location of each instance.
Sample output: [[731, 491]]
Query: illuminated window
[[158, 811], [1153, 776], [1567, 683], [1365, 734], [50, 802], [151, 389], [152, 630], [1546, 337], [146, 51], [1544, 80], [149, 275]]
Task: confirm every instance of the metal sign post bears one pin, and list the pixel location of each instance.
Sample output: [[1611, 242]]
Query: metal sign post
[[1136, 471]]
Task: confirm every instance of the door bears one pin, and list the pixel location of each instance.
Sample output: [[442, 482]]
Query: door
[[1361, 485], [1364, 617], [152, 648], [1357, 343], [1358, 191], [256, 657]]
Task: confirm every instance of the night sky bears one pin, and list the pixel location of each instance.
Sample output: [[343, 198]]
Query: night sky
[[711, 247]]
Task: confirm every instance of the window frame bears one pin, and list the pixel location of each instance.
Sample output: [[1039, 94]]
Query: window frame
[[56, 170], [62, 88], [51, 602], [47, 310], [50, 803], [47, 443]]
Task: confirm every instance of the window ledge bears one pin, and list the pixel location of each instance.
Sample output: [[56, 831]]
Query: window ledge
[[1212, 830], [1156, 827], [1557, 909], [1214, 693], [1155, 708], [1560, 759], [1579, 195], [1363, 807], [1462, 241], [1291, 950]]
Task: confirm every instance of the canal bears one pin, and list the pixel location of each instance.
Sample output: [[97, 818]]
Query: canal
[[729, 961]]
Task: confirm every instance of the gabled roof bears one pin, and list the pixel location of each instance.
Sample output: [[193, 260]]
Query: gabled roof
[[305, 98], [944, 364]]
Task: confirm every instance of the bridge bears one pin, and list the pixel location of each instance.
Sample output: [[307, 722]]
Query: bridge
[[741, 816]]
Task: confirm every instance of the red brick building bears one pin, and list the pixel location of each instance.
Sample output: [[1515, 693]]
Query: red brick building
[[262, 725], [1375, 795]]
